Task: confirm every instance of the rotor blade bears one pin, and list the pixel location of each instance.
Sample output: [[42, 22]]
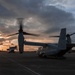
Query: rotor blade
[[72, 34], [66, 35], [13, 34], [25, 33]]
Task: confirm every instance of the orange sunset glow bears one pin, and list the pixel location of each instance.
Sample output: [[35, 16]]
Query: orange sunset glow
[[6, 44]]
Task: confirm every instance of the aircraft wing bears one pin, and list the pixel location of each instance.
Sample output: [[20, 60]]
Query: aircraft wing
[[35, 43]]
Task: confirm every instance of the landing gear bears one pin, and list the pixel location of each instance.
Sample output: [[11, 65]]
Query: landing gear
[[42, 55]]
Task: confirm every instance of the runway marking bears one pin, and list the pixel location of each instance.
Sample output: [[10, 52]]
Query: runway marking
[[25, 68]]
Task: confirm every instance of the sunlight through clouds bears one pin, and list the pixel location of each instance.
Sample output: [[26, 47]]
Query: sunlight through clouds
[[44, 17]]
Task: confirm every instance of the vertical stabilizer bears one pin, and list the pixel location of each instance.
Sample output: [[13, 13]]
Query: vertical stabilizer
[[62, 40]]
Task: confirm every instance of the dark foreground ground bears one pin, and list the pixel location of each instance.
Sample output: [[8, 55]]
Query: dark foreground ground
[[30, 64]]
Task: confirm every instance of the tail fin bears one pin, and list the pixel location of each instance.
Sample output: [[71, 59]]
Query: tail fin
[[62, 40]]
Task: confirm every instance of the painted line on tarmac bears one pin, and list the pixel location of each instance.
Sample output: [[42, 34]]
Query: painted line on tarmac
[[25, 68]]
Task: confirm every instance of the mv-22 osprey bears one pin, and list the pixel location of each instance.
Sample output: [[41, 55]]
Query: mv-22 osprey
[[47, 49]]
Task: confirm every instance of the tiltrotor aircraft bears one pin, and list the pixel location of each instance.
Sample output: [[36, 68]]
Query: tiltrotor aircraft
[[47, 49]]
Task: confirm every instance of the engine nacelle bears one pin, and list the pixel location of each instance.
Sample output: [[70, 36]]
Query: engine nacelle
[[21, 42]]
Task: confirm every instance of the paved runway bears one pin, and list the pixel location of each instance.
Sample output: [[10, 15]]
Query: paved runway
[[30, 64]]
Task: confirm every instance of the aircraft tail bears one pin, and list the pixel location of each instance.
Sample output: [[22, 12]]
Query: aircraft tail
[[62, 40]]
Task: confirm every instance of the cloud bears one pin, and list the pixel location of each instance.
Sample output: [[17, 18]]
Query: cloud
[[67, 5], [20, 8], [4, 11], [2, 39], [41, 16]]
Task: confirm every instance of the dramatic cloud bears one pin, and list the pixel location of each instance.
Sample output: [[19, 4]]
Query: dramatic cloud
[[41, 16], [67, 5]]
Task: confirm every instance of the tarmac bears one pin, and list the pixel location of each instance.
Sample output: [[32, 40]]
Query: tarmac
[[29, 63]]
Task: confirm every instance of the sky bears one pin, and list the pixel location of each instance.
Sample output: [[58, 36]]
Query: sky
[[44, 17]]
